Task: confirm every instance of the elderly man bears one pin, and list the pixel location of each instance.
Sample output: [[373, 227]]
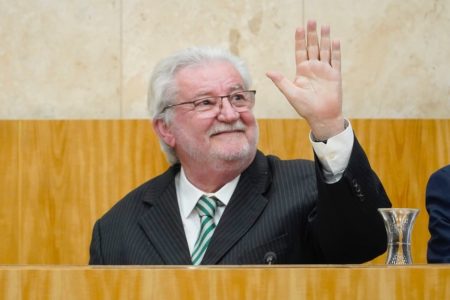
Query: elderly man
[[224, 202]]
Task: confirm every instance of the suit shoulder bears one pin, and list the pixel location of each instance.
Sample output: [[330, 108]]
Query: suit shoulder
[[292, 173], [438, 191], [442, 174], [296, 166], [134, 203]]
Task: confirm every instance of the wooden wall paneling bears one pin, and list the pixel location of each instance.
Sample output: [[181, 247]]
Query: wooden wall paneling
[[9, 192], [140, 156], [70, 178], [83, 168], [50, 191], [404, 153], [10, 283], [286, 138], [428, 153], [68, 173]]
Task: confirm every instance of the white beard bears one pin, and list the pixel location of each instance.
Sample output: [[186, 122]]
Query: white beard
[[242, 151]]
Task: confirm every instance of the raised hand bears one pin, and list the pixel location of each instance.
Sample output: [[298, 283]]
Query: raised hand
[[316, 91]]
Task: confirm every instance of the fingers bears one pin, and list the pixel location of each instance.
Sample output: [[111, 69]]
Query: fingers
[[301, 54], [336, 55], [325, 44], [283, 84], [307, 45], [312, 40]]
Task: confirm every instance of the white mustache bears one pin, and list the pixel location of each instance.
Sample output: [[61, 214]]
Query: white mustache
[[222, 127]]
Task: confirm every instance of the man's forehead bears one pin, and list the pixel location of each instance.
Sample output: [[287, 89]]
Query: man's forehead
[[207, 78]]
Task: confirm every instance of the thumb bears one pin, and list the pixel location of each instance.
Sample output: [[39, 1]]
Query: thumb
[[282, 83]]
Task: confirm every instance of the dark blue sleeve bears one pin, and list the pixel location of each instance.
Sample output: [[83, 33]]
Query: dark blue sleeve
[[438, 207]]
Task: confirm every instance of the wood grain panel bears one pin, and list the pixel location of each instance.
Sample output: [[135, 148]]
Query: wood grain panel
[[68, 173], [9, 192], [10, 283], [67, 168], [74, 171], [404, 153], [285, 138], [306, 282]]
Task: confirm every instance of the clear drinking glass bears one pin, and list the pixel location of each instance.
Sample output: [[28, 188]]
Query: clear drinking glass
[[399, 223]]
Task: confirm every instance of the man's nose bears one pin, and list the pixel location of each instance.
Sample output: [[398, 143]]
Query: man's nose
[[227, 112]]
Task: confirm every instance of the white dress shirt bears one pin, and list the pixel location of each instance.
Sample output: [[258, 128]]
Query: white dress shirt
[[188, 195], [333, 155]]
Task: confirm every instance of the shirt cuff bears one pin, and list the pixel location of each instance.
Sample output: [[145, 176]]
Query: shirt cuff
[[334, 155]]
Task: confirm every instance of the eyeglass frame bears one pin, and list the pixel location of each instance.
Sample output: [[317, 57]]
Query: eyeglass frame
[[206, 98]]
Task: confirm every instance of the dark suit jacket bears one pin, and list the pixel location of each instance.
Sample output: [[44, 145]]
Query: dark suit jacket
[[278, 206], [438, 207]]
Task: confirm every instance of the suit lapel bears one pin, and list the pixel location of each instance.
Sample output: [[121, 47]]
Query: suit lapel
[[244, 208], [162, 223]]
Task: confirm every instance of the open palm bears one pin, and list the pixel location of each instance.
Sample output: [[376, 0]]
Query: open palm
[[316, 91]]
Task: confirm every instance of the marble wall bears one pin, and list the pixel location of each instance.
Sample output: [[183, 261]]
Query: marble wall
[[92, 59]]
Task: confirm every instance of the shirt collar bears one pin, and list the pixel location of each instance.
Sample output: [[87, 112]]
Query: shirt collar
[[188, 194]]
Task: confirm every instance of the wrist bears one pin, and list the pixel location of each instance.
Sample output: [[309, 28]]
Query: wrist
[[322, 131]]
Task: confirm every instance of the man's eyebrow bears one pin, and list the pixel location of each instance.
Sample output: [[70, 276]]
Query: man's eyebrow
[[202, 94], [207, 93], [236, 87]]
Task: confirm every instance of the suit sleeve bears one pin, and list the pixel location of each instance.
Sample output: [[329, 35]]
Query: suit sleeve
[[438, 207], [348, 226], [95, 248]]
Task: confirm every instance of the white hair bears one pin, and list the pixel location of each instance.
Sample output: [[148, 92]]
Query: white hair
[[163, 89]]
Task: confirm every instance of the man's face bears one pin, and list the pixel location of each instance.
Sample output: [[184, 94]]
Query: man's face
[[206, 138]]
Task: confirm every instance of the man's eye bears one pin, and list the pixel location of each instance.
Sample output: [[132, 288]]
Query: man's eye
[[204, 102], [237, 97]]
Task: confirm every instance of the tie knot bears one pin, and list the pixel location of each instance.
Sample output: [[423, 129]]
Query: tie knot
[[206, 206]]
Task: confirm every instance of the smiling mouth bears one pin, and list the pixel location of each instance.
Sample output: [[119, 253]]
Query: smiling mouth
[[227, 131]]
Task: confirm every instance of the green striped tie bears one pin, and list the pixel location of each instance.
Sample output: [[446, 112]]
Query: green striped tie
[[206, 208]]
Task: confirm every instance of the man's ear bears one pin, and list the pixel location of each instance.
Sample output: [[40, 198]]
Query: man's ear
[[164, 132]]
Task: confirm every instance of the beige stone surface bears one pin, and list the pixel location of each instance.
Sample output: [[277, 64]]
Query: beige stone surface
[[260, 31], [93, 59], [59, 59], [395, 55]]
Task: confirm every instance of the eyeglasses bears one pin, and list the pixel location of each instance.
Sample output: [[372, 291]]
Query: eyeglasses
[[241, 101]]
